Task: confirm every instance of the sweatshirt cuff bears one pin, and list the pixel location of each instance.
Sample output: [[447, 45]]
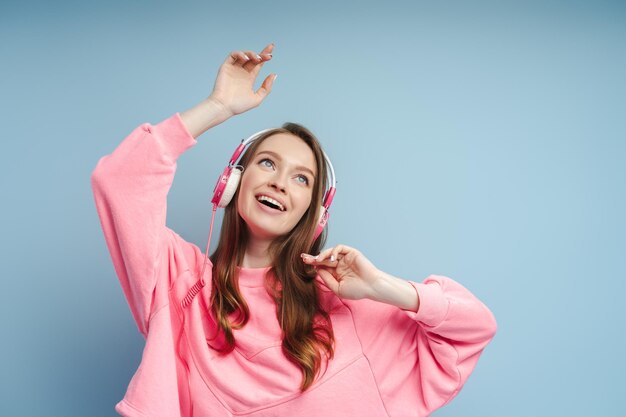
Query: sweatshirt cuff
[[174, 134], [433, 305]]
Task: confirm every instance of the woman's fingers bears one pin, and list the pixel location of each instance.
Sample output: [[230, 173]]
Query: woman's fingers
[[317, 261], [337, 250], [253, 56], [256, 60], [238, 56], [335, 253], [329, 256], [325, 256], [329, 279], [266, 53], [250, 59]]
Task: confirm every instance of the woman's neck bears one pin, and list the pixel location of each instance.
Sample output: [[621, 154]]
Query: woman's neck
[[257, 253]]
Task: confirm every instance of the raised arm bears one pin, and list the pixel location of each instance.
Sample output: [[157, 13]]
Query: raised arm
[[131, 184]]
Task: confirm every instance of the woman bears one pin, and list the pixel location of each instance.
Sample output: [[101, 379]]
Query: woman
[[283, 329]]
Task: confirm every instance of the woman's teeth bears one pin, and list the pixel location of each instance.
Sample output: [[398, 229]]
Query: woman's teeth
[[272, 203]]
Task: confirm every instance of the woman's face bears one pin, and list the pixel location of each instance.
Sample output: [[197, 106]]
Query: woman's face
[[277, 186]]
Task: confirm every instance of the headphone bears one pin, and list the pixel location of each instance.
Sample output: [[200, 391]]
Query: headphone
[[225, 189], [228, 182]]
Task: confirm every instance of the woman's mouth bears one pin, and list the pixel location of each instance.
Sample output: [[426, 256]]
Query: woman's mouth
[[270, 202]]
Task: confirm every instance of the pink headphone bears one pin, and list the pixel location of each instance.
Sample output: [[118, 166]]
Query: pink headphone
[[226, 187]]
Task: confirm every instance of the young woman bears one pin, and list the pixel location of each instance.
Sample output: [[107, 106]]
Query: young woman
[[269, 325]]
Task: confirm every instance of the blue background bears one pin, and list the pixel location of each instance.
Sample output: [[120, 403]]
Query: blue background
[[480, 140]]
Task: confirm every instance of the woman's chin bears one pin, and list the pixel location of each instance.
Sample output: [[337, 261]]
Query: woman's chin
[[265, 223], [263, 232]]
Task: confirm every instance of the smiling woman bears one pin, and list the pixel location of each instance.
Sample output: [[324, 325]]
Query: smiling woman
[[284, 328], [283, 183], [271, 224]]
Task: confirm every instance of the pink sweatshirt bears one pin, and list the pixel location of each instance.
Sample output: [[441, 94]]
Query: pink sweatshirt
[[388, 361]]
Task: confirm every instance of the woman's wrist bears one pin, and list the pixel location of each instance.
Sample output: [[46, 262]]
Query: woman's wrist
[[208, 113], [395, 291]]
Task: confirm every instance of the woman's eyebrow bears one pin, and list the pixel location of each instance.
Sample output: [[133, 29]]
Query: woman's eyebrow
[[277, 156]]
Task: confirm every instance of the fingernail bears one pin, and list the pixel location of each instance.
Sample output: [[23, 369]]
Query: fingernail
[[258, 56], [275, 76], [332, 258]]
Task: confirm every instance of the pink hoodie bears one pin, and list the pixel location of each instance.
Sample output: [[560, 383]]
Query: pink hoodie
[[388, 361]]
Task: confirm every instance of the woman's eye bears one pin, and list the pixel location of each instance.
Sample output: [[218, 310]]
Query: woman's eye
[[266, 163], [303, 180]]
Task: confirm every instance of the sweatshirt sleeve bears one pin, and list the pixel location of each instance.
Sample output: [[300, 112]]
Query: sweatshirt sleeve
[[422, 359], [130, 189]]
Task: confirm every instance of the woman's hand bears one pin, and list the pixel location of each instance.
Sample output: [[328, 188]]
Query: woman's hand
[[236, 77], [349, 274], [346, 271]]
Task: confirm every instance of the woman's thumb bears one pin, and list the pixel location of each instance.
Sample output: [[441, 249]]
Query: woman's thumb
[[266, 87]]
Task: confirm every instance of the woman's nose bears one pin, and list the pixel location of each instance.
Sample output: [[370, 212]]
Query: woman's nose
[[278, 183], [278, 187]]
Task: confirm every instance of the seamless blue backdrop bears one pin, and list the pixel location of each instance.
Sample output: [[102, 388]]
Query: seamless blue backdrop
[[480, 140]]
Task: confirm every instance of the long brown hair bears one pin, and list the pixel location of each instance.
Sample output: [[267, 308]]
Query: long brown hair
[[308, 338]]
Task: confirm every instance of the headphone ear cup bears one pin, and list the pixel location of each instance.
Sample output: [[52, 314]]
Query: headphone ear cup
[[231, 187], [321, 222]]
